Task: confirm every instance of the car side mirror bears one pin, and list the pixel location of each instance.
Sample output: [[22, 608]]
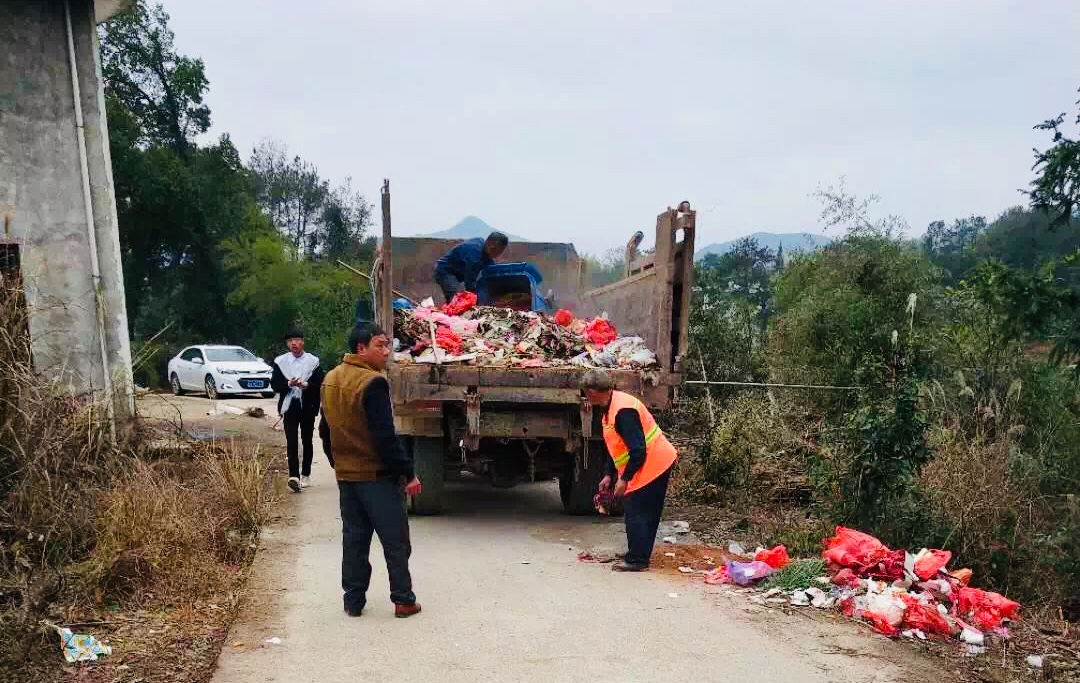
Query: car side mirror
[[198, 361]]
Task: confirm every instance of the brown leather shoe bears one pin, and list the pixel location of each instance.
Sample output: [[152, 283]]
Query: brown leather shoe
[[406, 611]]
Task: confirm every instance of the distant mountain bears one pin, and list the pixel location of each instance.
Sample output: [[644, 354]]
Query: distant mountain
[[468, 228], [792, 241]]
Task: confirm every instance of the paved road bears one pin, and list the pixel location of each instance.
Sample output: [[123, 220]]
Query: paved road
[[505, 599]]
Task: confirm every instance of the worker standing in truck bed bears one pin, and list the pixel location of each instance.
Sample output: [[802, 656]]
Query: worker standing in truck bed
[[460, 267]]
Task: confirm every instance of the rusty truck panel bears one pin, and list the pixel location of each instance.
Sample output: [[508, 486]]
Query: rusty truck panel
[[653, 300]]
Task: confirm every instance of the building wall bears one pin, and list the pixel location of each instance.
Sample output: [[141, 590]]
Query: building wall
[[42, 198]]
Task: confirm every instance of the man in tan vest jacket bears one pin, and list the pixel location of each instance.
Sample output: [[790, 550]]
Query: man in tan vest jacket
[[374, 471]]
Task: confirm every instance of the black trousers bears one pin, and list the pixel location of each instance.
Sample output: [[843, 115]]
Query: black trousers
[[449, 284], [299, 428], [368, 508], [642, 512]]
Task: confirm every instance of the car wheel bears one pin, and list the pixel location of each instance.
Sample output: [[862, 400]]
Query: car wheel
[[211, 388], [176, 388]]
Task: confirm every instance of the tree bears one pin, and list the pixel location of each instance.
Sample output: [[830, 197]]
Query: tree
[[731, 305], [345, 219], [292, 193], [852, 213], [161, 89], [1056, 188], [952, 247], [1026, 238]]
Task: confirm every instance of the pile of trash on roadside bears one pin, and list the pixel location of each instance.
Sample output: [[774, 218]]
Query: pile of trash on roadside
[[896, 592], [463, 332]]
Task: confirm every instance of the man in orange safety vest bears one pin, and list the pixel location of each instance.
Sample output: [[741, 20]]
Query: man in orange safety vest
[[640, 468]]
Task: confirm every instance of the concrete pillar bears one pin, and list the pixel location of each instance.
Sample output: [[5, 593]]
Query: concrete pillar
[[42, 193]]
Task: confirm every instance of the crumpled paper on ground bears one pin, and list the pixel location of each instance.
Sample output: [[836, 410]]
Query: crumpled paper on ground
[[80, 648]]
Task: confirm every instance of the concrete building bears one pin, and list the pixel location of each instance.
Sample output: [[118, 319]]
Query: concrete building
[[57, 208]]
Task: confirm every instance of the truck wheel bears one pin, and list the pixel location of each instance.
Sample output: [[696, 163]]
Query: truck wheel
[[578, 485], [429, 458]]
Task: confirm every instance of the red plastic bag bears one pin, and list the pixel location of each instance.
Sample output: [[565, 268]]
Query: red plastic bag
[[926, 618], [564, 317], [777, 558], [854, 549], [846, 577], [448, 340], [881, 624], [930, 562], [890, 568], [462, 301], [962, 575], [718, 576], [600, 332], [985, 608]]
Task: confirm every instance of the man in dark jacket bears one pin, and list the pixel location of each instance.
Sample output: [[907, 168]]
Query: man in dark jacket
[[374, 471], [459, 269], [297, 379]]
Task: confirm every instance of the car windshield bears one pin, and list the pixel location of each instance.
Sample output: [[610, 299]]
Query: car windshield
[[230, 355]]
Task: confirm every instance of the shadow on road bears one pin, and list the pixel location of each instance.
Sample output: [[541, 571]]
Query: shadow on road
[[531, 508]]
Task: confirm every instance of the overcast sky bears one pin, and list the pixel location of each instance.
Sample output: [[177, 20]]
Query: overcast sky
[[580, 121]]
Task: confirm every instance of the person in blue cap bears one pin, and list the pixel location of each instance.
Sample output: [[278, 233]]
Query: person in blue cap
[[459, 269]]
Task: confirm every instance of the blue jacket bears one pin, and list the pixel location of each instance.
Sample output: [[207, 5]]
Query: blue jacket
[[464, 262]]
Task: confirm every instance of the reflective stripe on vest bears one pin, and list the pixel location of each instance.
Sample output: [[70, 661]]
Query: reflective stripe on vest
[[660, 455]]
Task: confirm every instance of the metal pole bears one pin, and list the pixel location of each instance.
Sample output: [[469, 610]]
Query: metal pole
[[768, 384], [367, 277], [386, 286]]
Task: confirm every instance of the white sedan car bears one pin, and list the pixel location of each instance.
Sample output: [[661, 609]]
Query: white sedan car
[[215, 370]]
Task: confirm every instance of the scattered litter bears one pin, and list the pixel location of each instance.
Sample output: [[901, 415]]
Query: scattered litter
[[718, 576], [273, 641], [673, 595], [78, 647], [976, 649], [819, 598], [735, 549], [238, 643], [748, 573], [670, 540], [800, 599], [680, 527], [669, 554], [777, 557], [226, 409], [773, 592], [585, 556], [255, 411], [1035, 661], [894, 589], [686, 570], [524, 562]]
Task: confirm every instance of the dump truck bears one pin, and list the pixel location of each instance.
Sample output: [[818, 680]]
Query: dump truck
[[513, 425]]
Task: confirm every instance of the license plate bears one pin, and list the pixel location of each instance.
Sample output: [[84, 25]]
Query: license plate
[[256, 385]]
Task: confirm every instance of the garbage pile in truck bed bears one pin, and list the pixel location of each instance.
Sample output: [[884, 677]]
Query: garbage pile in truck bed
[[490, 336]]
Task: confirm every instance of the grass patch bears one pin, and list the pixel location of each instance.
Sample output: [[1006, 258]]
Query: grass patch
[[797, 575]]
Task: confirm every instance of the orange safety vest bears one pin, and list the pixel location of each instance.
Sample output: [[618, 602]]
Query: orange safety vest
[[660, 455]]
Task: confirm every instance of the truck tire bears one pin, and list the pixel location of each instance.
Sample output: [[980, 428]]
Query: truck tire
[[429, 458], [578, 485]]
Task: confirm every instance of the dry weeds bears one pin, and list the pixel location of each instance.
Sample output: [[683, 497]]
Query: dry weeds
[[92, 528]]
